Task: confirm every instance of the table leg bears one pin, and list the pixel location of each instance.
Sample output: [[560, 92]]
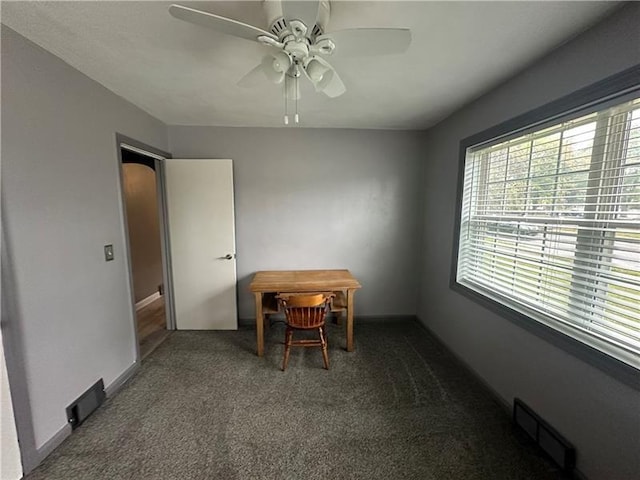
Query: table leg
[[259, 324], [350, 294]]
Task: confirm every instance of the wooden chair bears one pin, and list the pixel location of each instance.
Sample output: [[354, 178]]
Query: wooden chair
[[305, 312]]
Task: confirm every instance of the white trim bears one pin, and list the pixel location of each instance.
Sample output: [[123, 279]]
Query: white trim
[[53, 443], [141, 151], [62, 434], [146, 301], [115, 386], [10, 461]]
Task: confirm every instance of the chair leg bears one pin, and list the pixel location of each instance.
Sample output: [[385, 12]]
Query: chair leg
[[288, 336], [323, 341]]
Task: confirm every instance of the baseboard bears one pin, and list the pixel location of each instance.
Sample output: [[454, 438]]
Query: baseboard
[[496, 396], [577, 474], [384, 318], [51, 444], [115, 386], [35, 458], [146, 301]]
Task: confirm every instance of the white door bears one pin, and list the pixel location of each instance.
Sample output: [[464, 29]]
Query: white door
[[202, 243]]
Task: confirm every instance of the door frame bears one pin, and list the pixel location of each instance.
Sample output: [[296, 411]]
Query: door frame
[[158, 156]]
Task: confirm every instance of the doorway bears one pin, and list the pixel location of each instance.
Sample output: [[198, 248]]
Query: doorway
[[141, 189]]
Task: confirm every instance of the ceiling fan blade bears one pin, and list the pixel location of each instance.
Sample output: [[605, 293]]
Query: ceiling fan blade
[[254, 78], [369, 41], [218, 23], [305, 11], [324, 13], [323, 77]]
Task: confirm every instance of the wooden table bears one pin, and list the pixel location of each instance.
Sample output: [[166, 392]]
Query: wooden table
[[267, 283]]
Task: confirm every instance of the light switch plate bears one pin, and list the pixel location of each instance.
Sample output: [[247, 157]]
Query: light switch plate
[[108, 253]]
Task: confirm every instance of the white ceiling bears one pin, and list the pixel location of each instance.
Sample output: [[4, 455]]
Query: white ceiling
[[183, 74]]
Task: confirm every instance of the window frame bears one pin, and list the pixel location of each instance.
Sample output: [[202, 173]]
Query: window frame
[[612, 90]]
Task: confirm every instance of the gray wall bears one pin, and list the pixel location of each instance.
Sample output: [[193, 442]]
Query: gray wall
[[598, 414], [359, 195], [310, 198], [61, 204], [139, 184]]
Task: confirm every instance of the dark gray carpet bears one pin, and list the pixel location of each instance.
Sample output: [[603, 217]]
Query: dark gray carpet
[[203, 406]]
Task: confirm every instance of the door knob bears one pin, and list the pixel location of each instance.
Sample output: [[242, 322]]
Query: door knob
[[228, 256]]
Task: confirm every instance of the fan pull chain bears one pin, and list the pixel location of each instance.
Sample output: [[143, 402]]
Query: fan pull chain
[[286, 117], [295, 92]]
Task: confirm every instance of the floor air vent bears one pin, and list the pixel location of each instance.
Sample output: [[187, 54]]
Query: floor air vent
[[84, 406], [545, 436]]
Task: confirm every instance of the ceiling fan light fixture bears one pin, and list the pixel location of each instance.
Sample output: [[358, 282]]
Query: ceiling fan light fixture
[[281, 62], [275, 66], [297, 30], [315, 71], [326, 80], [272, 75], [319, 72]]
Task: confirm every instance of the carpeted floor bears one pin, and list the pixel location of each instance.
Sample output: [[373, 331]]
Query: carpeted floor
[[203, 406]]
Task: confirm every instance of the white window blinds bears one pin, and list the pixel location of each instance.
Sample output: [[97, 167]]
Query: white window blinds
[[550, 227]]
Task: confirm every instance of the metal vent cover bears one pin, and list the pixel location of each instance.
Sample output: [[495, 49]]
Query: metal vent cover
[[544, 435], [85, 404]]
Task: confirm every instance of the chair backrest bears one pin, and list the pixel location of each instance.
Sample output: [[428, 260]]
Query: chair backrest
[[305, 311]]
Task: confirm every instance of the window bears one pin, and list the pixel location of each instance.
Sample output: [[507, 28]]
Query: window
[[550, 226]]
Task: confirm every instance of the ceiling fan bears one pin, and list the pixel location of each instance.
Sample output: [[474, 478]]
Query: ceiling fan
[[298, 44]]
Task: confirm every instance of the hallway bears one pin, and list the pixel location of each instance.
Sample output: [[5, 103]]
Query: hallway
[[152, 328]]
